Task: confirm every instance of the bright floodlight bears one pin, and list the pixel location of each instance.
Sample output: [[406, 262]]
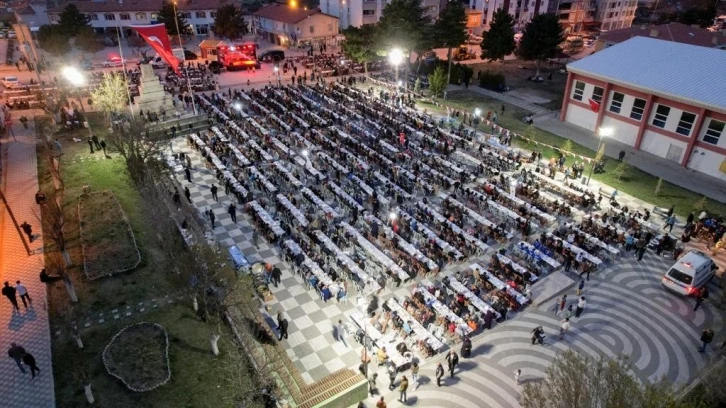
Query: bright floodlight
[[276, 69], [395, 56], [74, 76], [237, 105], [400, 83], [477, 112], [392, 216], [305, 152], [514, 183], [605, 131]]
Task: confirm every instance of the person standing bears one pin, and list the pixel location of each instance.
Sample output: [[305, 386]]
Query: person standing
[[210, 213], [94, 139], [414, 374], [9, 292], [439, 374], [103, 147], [283, 328], [517, 376], [641, 246], [402, 388], [188, 194], [563, 302], [381, 403], [256, 238], [564, 327], [702, 295], [90, 144], [392, 372], [621, 155], [28, 230], [16, 353], [706, 337], [580, 287], [453, 359], [580, 306], [342, 332], [232, 210], [23, 292], [188, 174], [214, 193], [670, 222], [29, 361]]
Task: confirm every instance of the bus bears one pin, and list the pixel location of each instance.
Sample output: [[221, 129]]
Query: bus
[[238, 55]]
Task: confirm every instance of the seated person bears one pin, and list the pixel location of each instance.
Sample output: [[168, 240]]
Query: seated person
[[407, 328], [326, 294], [382, 356]]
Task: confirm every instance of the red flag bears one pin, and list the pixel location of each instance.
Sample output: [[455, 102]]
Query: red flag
[[155, 35], [594, 105]]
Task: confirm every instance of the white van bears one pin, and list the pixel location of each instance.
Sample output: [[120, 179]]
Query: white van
[[690, 273]]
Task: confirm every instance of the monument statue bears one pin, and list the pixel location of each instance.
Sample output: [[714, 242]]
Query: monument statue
[[152, 96]]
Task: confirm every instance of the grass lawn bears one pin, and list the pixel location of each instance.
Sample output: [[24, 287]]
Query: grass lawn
[[79, 167], [634, 182], [197, 377], [108, 243]]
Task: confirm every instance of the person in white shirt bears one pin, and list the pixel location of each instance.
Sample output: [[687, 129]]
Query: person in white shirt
[[564, 327], [580, 306], [23, 292]]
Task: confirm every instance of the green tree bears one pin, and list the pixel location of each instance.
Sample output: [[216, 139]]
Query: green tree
[[358, 44], [88, 41], [405, 25], [541, 39], [450, 30], [499, 42], [573, 380], [53, 39], [620, 170], [567, 146], [110, 96], [166, 16], [72, 21], [600, 154], [230, 22], [437, 81], [658, 187], [702, 16]]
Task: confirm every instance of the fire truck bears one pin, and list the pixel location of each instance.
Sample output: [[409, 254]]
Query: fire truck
[[238, 55]]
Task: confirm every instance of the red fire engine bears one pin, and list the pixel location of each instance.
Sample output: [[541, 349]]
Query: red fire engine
[[238, 55]]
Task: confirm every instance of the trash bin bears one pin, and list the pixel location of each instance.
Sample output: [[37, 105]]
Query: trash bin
[[584, 180]]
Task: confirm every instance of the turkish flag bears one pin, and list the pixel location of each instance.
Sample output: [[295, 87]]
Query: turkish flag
[[594, 105], [155, 35]]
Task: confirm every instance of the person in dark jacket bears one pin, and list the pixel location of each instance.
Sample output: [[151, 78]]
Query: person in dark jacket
[[466, 347], [29, 361], [283, 329]]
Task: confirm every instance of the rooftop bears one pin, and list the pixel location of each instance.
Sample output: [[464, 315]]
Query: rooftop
[[110, 6], [286, 14], [676, 32], [685, 73]]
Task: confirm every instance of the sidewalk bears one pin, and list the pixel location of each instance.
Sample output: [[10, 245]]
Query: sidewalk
[[522, 104], [670, 171], [30, 328]]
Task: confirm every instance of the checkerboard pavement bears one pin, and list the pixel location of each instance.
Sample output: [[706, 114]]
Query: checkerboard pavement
[[29, 328]]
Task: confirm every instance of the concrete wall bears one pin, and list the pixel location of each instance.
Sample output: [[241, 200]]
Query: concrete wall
[[707, 162], [580, 116], [623, 132], [660, 145]]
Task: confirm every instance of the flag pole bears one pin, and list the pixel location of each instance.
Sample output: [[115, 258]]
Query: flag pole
[[189, 82], [123, 64]]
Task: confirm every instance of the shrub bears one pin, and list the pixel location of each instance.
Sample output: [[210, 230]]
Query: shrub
[[492, 81]]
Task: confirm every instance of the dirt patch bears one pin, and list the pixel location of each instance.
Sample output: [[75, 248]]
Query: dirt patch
[[107, 241], [139, 356]]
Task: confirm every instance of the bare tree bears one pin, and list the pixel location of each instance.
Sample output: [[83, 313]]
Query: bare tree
[[141, 152], [110, 96]]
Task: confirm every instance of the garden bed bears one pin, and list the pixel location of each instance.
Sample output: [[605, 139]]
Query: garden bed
[[139, 356], [107, 241]]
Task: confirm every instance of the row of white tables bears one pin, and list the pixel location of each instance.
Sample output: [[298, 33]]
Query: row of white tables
[[370, 285], [371, 249]]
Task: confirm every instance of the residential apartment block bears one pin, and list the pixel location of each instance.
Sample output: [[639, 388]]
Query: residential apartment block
[[361, 12]]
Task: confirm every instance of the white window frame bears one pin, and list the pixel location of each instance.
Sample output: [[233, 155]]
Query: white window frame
[[637, 112], [597, 96], [713, 133], [92, 16], [141, 16], [660, 119], [579, 93], [617, 105], [684, 126], [201, 14], [111, 15], [124, 16]]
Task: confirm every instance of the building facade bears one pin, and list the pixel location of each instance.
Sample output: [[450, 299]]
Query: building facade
[[285, 25], [615, 14], [106, 17], [357, 13], [521, 10], [653, 102]]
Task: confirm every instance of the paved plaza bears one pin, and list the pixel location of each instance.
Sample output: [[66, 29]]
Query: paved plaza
[[628, 314], [29, 328]]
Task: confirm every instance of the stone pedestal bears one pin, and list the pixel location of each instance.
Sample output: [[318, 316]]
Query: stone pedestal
[[152, 96]]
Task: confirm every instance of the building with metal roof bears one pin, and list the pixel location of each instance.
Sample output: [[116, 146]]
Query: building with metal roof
[[663, 97]]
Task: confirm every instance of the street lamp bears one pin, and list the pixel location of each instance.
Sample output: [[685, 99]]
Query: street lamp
[[395, 57], [602, 132], [76, 78], [477, 119]]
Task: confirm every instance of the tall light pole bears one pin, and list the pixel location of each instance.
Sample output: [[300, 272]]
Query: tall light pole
[[602, 132], [477, 119], [395, 57], [178, 34], [76, 78]]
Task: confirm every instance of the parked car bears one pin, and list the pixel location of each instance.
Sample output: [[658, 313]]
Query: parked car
[[114, 62], [189, 56], [10, 82], [272, 56], [158, 63]]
